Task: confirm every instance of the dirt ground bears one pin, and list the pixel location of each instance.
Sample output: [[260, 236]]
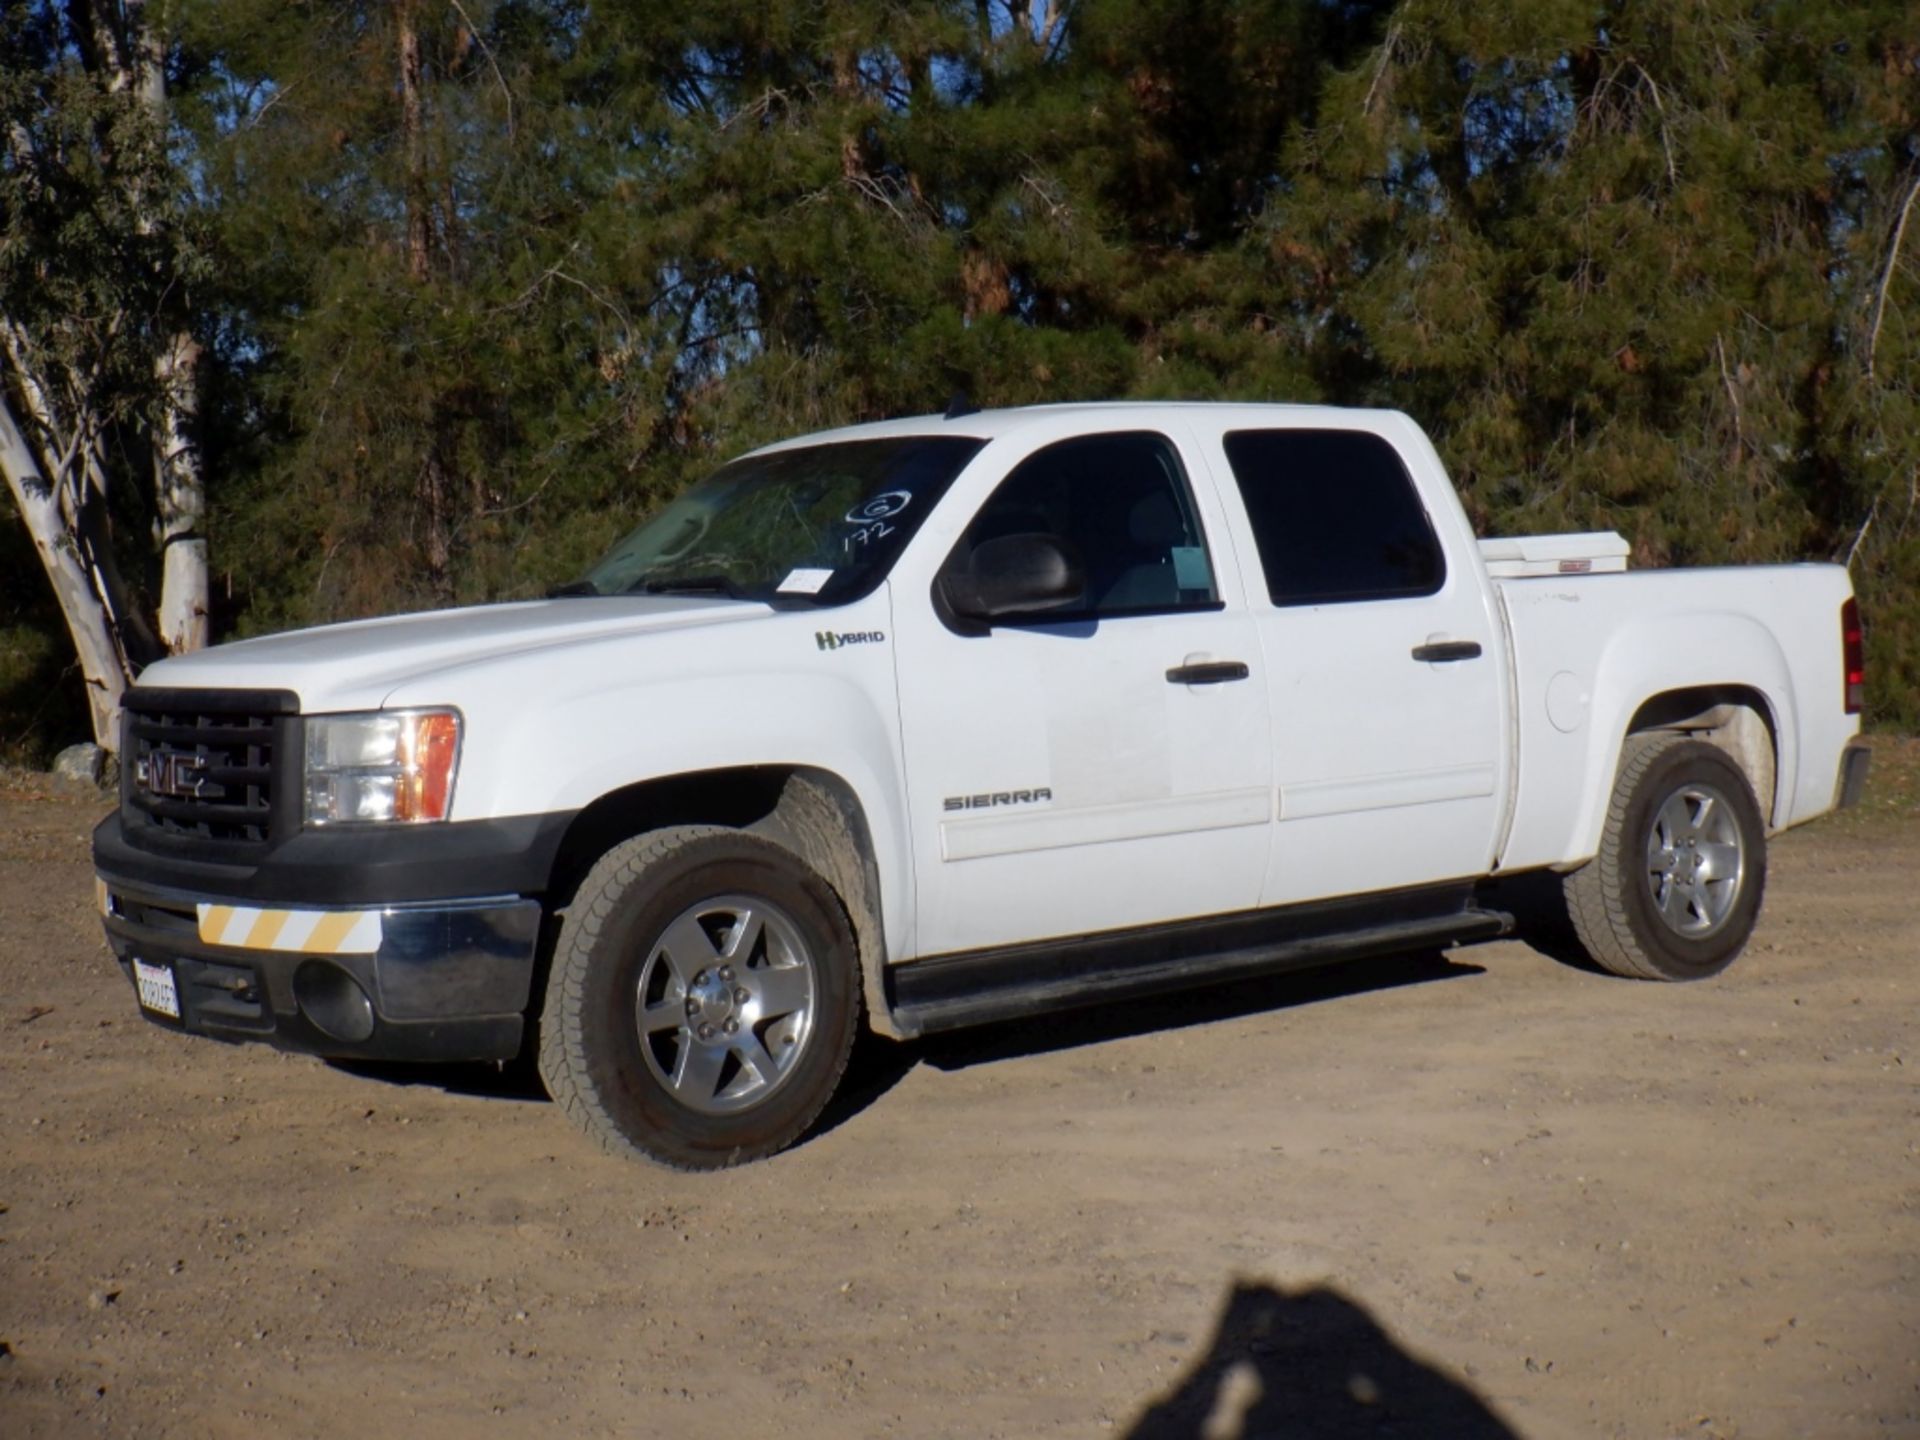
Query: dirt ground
[[1480, 1195]]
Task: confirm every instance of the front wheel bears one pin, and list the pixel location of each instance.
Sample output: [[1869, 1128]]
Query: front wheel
[[702, 1001], [1675, 890]]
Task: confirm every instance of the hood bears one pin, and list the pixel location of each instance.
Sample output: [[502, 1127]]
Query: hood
[[357, 665]]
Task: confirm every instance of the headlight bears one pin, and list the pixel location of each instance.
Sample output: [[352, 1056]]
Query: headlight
[[389, 765]]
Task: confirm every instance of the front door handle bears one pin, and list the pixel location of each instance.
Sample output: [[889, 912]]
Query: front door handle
[[1438, 651], [1209, 672]]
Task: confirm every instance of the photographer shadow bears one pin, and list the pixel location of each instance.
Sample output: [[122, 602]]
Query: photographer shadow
[[1312, 1365]]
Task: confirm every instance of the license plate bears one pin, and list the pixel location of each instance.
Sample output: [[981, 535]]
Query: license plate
[[157, 992]]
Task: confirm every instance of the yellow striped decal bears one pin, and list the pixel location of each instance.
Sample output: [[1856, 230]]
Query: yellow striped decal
[[311, 932]]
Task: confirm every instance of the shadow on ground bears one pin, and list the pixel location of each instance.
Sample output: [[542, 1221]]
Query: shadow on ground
[[1312, 1365], [513, 1080], [1182, 1009], [1538, 905], [877, 1065]]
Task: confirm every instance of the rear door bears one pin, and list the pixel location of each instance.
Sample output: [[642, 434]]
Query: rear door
[[1064, 775], [1382, 664]]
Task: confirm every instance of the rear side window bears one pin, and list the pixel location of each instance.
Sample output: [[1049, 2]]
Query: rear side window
[[1335, 515]]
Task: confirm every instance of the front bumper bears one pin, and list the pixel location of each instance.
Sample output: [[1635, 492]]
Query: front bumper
[[445, 980]]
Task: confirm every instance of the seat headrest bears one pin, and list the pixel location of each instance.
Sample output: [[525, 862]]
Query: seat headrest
[[1155, 522]]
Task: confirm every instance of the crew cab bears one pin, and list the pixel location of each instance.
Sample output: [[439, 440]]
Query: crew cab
[[950, 720]]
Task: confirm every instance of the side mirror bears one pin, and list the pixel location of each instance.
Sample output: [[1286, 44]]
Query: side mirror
[[1014, 575]]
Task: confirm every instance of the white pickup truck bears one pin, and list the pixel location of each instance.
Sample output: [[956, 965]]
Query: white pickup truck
[[955, 719]]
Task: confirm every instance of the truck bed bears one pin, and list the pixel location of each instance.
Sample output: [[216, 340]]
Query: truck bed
[[1694, 630]]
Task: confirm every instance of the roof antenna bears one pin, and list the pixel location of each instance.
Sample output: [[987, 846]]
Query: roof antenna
[[960, 405]]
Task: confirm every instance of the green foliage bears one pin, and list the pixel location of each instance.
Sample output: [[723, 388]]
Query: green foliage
[[94, 244], [1631, 263], [101, 257], [1623, 271], [41, 705]]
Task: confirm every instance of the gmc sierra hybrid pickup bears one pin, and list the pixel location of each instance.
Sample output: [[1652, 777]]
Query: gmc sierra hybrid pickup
[[949, 720]]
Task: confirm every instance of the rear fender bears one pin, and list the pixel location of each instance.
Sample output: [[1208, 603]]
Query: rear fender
[[1656, 656]]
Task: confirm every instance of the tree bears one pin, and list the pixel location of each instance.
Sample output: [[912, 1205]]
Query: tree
[[1624, 264], [100, 367], [463, 287], [454, 306]]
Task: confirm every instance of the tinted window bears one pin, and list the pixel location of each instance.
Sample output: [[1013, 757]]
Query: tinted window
[[1335, 515], [1122, 505]]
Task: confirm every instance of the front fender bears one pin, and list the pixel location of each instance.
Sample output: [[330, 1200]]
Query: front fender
[[592, 720]]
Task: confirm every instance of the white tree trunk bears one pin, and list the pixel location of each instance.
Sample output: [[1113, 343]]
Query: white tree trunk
[[179, 502], [79, 479], [179, 489], [85, 614]]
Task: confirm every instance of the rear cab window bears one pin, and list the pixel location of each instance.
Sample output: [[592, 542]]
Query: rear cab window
[[1335, 516]]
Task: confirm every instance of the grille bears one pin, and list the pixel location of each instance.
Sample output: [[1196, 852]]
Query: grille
[[179, 918], [203, 766]]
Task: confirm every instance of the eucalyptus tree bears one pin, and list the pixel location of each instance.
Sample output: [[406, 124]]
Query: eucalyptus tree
[[99, 363]]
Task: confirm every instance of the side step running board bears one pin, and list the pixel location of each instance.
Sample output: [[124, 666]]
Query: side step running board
[[979, 987]]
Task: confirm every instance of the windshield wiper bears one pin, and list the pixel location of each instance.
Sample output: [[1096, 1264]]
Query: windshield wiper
[[572, 587], [688, 585]]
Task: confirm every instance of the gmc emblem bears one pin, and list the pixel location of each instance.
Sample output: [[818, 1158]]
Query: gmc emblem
[[175, 776]]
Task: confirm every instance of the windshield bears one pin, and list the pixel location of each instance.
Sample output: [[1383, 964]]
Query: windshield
[[820, 523]]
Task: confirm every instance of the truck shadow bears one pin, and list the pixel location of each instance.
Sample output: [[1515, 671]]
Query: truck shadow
[[878, 1065], [511, 1080], [1312, 1364], [1539, 909], [1179, 1010]]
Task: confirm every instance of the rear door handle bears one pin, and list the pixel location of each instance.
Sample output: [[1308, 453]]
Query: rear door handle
[[1209, 672], [1438, 651]]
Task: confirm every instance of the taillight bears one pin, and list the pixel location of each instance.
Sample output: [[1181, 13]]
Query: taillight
[[1853, 656]]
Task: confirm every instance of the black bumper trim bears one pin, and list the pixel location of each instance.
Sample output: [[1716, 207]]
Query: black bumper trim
[[443, 1042], [449, 982], [1852, 782], [362, 866]]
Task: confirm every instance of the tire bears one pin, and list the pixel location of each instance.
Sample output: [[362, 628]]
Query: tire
[[1676, 888], [702, 1000]]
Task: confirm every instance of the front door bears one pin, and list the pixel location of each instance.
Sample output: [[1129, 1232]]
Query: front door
[[1072, 772]]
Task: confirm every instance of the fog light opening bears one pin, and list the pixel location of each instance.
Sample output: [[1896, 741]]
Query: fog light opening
[[333, 1000]]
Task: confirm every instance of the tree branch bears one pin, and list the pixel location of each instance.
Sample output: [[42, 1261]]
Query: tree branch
[[487, 50], [1739, 432], [1673, 174], [1380, 68], [280, 93], [1886, 275], [1861, 534]]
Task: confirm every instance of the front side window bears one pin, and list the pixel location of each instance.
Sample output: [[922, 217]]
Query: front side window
[[1335, 516], [1121, 505], [819, 523]]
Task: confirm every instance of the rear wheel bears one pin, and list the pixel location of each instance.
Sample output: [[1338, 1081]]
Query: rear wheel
[[702, 1001], [1676, 888]]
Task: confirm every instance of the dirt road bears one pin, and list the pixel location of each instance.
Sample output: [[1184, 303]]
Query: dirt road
[[1485, 1195]]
